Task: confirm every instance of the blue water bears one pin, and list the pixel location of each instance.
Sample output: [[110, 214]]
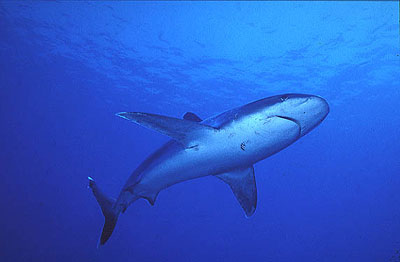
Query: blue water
[[66, 68]]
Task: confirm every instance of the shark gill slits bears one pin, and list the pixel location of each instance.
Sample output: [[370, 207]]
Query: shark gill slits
[[243, 146]]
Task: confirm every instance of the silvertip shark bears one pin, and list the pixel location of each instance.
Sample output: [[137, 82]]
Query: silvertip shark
[[225, 146]]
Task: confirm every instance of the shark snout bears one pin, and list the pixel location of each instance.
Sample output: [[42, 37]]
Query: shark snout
[[312, 113], [307, 111], [322, 105]]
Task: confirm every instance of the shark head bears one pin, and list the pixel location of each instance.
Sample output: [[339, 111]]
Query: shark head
[[308, 111]]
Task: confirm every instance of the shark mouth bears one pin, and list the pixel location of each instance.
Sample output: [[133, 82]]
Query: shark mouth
[[293, 120]]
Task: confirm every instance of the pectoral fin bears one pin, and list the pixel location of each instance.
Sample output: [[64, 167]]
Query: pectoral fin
[[243, 185], [181, 130]]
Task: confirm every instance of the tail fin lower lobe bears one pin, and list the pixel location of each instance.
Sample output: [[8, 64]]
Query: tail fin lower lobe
[[107, 207]]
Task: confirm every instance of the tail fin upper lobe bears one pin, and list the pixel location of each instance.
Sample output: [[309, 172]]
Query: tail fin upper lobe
[[107, 207]]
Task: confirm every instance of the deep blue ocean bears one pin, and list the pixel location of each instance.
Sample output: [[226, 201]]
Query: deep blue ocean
[[67, 67]]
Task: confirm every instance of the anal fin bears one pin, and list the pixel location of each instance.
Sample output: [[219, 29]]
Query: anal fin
[[151, 198], [243, 185]]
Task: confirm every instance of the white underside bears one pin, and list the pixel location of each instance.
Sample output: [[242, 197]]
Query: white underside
[[241, 144]]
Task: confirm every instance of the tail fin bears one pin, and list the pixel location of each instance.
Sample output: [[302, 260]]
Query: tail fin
[[110, 214]]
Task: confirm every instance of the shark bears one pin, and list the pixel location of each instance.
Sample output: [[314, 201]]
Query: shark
[[225, 146]]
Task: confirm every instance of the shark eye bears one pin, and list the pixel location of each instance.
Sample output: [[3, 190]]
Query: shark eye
[[284, 98]]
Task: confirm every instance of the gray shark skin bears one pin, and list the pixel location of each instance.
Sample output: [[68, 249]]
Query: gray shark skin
[[225, 146]]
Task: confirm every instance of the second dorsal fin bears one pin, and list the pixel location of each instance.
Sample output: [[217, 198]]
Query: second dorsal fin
[[182, 130], [192, 117]]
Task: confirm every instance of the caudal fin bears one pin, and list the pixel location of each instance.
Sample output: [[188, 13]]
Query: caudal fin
[[107, 207]]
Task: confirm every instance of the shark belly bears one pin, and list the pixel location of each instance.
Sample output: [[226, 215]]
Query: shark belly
[[240, 144]]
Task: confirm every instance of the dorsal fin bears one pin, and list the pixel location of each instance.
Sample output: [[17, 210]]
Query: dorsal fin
[[192, 117], [243, 185], [182, 130]]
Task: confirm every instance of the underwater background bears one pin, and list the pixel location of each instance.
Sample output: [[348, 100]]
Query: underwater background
[[67, 67]]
